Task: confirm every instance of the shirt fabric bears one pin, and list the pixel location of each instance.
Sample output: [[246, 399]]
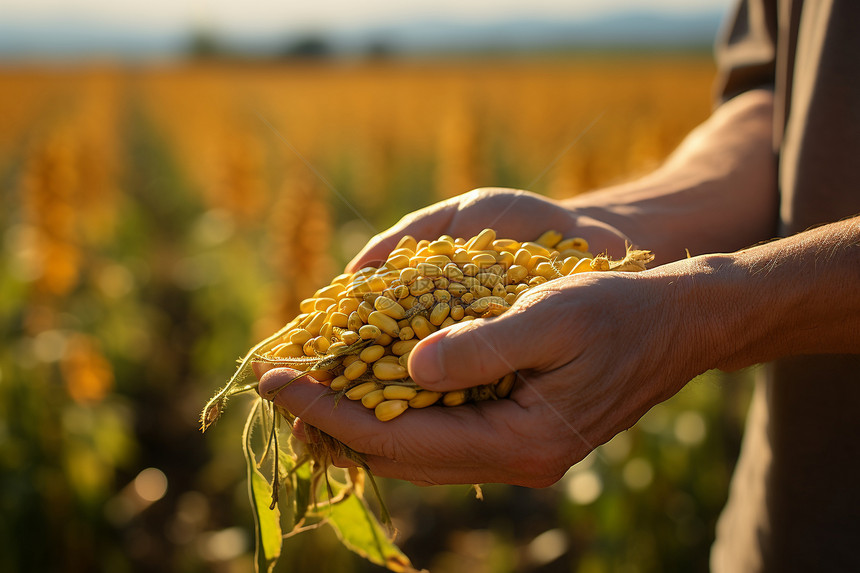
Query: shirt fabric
[[794, 500]]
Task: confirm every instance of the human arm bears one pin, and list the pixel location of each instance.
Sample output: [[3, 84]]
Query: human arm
[[716, 192], [594, 353]]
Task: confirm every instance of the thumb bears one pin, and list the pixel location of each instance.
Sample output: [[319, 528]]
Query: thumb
[[472, 353]]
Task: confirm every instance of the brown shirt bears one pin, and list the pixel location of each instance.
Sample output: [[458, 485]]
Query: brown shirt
[[794, 503]]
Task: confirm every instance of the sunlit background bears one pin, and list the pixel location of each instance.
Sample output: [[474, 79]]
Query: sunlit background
[[176, 176]]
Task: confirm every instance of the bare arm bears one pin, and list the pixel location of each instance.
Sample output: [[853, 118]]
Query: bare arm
[[716, 192]]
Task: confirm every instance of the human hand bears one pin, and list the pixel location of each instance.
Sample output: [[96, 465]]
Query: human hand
[[513, 214], [594, 352]]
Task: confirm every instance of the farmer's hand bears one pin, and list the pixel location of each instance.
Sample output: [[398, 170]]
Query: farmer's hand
[[594, 352], [513, 214]]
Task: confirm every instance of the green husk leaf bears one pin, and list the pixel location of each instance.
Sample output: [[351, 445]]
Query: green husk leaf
[[360, 531], [267, 522]]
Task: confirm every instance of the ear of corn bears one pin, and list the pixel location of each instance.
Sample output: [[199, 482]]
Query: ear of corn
[[361, 328]]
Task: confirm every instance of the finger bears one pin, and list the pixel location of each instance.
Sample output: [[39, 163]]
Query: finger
[[478, 352], [467, 436]]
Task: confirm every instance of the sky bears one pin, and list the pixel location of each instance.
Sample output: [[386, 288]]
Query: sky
[[270, 16]]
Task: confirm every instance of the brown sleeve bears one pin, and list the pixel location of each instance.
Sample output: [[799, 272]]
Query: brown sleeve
[[746, 49]]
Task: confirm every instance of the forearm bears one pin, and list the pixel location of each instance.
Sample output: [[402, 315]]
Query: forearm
[[716, 192], [799, 295]]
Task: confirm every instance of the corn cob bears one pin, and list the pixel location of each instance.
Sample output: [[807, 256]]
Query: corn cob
[[360, 329]]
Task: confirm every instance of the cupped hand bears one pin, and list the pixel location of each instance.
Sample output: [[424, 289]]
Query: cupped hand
[[513, 214], [593, 352]]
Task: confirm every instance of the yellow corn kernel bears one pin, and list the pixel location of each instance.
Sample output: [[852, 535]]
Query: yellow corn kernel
[[574, 253], [307, 305], [457, 312], [364, 310], [342, 279], [421, 286], [438, 260], [452, 272], [390, 358], [358, 392], [408, 275], [506, 245], [397, 262], [546, 270], [510, 298], [300, 336], [372, 353], [534, 281], [385, 323], [347, 360], [372, 399], [427, 300], [482, 240], [339, 383], [535, 261], [384, 339], [429, 270], [577, 243], [390, 409], [400, 292], [499, 290], [505, 385], [536, 249], [321, 344], [369, 332], [348, 336], [398, 392], [322, 376], [354, 321], [480, 291], [338, 319], [568, 264], [403, 346], [408, 302], [422, 326], [424, 398], [461, 256], [582, 266], [441, 283], [308, 348], [287, 350], [454, 398], [457, 289], [467, 298], [355, 369], [330, 291], [441, 247], [522, 257], [442, 295], [549, 239], [439, 313], [403, 360], [506, 259], [390, 307], [406, 333], [348, 305], [483, 259], [447, 322], [407, 242], [323, 303], [470, 269], [385, 370]]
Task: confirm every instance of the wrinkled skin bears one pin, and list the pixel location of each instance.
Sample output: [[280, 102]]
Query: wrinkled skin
[[583, 374]]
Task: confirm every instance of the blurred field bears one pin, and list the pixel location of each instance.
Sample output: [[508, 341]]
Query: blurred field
[[157, 220]]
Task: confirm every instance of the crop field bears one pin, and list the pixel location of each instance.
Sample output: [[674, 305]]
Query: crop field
[[157, 219]]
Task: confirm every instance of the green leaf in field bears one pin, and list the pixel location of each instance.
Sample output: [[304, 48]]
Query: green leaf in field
[[267, 522], [360, 531]]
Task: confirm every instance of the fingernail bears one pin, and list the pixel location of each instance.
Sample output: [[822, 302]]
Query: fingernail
[[425, 362]]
